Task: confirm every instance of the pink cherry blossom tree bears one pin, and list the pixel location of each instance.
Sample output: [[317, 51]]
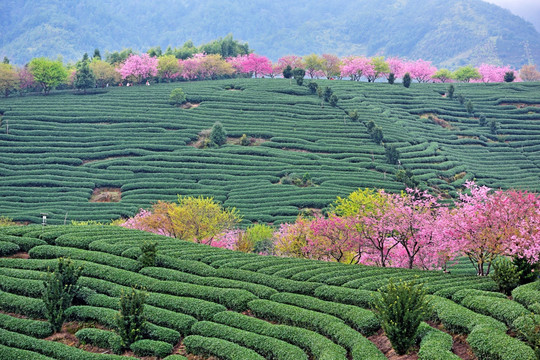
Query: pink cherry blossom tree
[[142, 221], [492, 73], [139, 67], [26, 79], [485, 224], [420, 70], [330, 65], [397, 67], [335, 238], [253, 64], [415, 219], [290, 60], [356, 67]]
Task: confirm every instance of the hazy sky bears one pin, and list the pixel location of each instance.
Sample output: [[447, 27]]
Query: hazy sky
[[527, 9]]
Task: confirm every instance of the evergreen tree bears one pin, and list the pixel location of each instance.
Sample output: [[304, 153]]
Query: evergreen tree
[[97, 54], [482, 120], [6, 60], [218, 135], [450, 91], [149, 250], [59, 289], [313, 87], [353, 114], [298, 75], [130, 320], [470, 107], [509, 76], [287, 72], [392, 154], [370, 126], [333, 100], [407, 80], [377, 135], [391, 78], [493, 127], [84, 77], [327, 93]]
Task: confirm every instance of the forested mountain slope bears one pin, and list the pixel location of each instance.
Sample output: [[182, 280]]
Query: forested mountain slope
[[448, 33]]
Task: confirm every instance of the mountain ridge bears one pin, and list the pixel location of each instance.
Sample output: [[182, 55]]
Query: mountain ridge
[[464, 32]]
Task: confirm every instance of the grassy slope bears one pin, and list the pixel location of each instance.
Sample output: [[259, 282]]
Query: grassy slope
[[59, 148]]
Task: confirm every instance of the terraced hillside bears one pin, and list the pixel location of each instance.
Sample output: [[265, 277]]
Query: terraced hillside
[[234, 305], [105, 155]]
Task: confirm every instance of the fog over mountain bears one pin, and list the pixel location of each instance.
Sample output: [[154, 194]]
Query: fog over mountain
[[450, 34]]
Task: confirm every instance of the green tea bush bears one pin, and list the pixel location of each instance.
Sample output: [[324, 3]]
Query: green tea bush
[[34, 308], [459, 319], [401, 307], [24, 243], [434, 344], [528, 328], [269, 347], [206, 346], [360, 319], [101, 338], [527, 294], [177, 97], [38, 329], [328, 325], [8, 248], [151, 348], [53, 349], [361, 298], [504, 310], [13, 353], [489, 343], [462, 294], [319, 346]]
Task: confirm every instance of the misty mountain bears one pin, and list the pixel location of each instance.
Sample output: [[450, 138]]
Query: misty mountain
[[448, 33]]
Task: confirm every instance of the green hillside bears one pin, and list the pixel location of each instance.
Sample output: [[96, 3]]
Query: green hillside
[[215, 301], [57, 151], [450, 34]]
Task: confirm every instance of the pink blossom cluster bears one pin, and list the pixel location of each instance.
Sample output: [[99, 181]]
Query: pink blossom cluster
[[410, 230], [140, 67], [252, 64], [202, 66], [138, 222], [228, 239], [413, 230], [492, 73]]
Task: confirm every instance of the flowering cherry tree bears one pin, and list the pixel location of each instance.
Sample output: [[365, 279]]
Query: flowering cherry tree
[[487, 224], [397, 67], [356, 67], [140, 67], [492, 73], [254, 64], [335, 238], [290, 60], [26, 79], [421, 70], [330, 65], [415, 229]]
